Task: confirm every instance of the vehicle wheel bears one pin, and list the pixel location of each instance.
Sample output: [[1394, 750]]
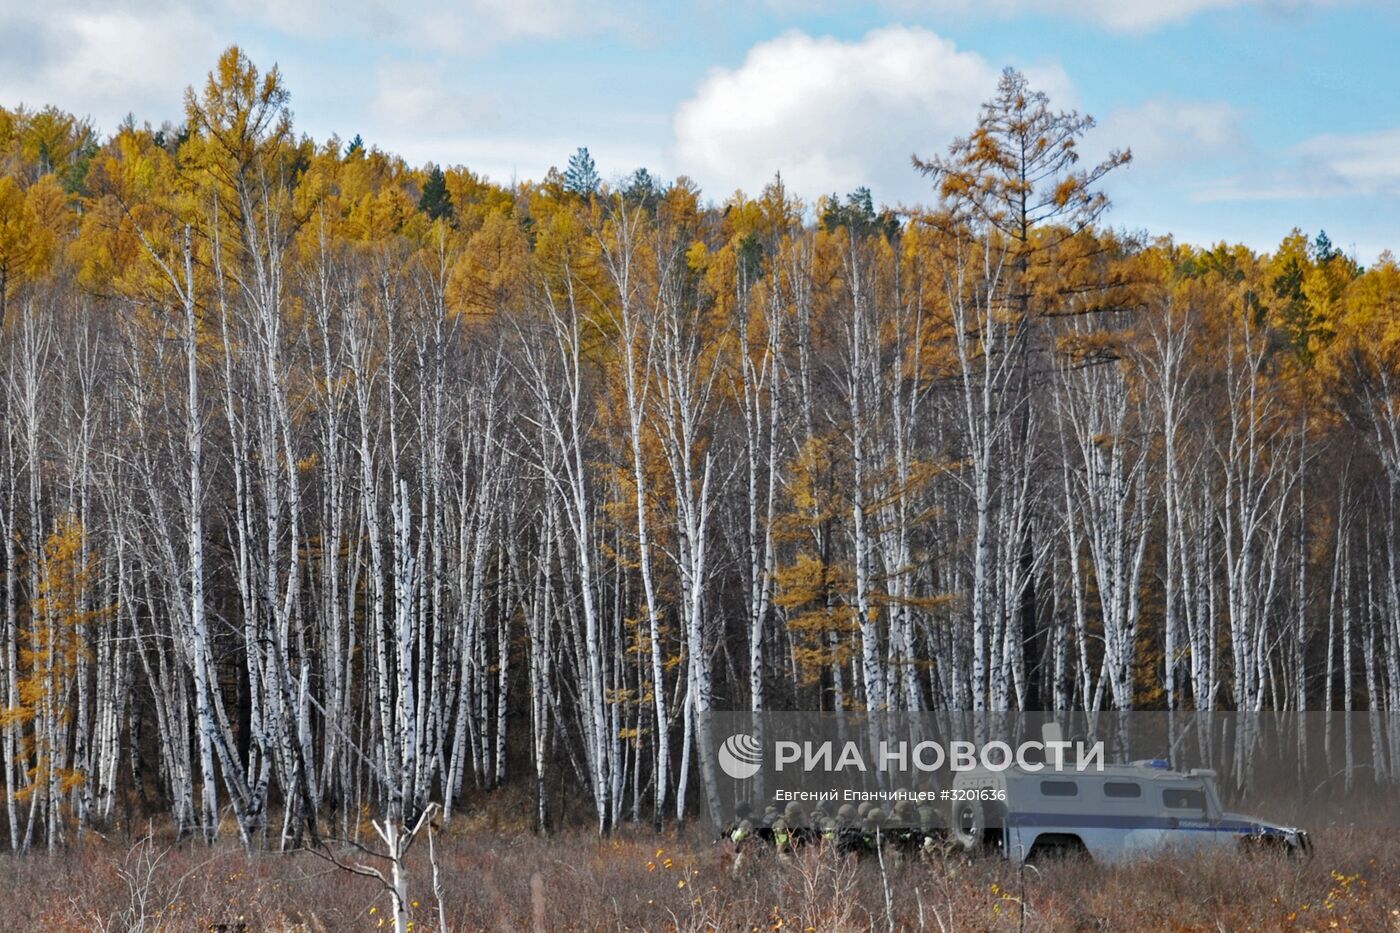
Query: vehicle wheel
[[1057, 848], [966, 824], [1268, 845]]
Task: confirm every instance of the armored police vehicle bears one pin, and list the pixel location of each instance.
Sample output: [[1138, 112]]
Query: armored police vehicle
[[1114, 813]]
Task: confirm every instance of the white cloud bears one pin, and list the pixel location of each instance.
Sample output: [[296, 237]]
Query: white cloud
[[106, 58], [1166, 134], [104, 61], [1356, 165], [432, 25], [1363, 163], [833, 115], [418, 97], [1119, 15]]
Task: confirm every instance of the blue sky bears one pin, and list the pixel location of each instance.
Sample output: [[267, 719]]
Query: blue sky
[[1246, 117]]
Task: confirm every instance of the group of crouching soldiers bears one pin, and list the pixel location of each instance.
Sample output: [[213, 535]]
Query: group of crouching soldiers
[[905, 833]]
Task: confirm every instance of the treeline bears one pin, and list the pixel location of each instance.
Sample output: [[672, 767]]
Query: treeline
[[332, 486]]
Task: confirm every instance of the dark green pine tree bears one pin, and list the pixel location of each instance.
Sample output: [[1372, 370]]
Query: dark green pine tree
[[581, 177], [858, 215], [641, 188], [435, 201], [1323, 249], [355, 145]]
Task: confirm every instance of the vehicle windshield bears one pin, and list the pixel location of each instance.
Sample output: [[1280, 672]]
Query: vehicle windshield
[[1186, 799]]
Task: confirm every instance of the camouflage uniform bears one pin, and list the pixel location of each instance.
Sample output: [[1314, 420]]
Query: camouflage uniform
[[782, 839], [902, 835], [873, 828], [743, 839], [799, 826], [742, 812], [928, 840]]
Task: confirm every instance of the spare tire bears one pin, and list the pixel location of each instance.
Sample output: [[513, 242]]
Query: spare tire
[[967, 820]]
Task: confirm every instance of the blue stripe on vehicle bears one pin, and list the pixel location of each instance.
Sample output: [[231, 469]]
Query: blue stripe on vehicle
[[1106, 821]]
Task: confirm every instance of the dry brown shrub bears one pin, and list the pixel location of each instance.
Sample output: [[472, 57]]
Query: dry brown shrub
[[638, 880]]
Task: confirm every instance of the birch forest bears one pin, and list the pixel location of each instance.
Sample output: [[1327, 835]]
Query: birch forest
[[333, 486]]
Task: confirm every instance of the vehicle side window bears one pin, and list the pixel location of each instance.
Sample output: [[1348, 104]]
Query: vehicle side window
[[1178, 799], [1059, 789], [1122, 789]]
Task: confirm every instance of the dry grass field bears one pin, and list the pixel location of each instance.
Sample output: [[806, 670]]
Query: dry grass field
[[496, 879]]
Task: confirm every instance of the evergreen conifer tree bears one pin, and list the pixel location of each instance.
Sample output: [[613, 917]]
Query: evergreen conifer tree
[[435, 201], [581, 177]]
